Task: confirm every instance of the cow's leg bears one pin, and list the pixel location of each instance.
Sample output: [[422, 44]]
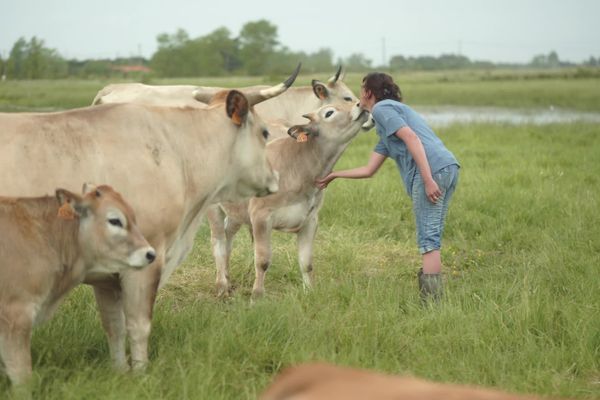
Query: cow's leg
[[306, 237], [261, 230], [15, 343], [110, 305], [139, 294], [222, 231]]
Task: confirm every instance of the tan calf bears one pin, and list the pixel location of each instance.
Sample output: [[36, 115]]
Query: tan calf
[[320, 381], [48, 246], [295, 207]]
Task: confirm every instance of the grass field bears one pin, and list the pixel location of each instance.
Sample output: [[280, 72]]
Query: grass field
[[570, 89], [521, 254]]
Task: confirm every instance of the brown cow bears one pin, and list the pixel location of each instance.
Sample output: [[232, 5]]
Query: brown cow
[[321, 381], [48, 246]]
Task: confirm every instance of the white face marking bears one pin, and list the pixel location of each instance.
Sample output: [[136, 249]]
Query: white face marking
[[328, 112], [116, 222], [139, 257]]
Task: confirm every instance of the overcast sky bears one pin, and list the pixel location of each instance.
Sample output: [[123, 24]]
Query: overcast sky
[[500, 31]]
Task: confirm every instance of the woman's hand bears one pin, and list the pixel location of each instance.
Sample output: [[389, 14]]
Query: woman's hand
[[322, 183], [432, 190]]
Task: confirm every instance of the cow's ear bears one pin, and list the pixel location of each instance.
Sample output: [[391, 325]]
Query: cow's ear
[[237, 107], [71, 205], [320, 89]]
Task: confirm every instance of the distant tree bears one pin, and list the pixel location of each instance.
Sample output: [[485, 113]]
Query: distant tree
[[210, 55], [553, 61], [16, 58], [2, 68], [398, 62], [592, 62], [356, 62], [171, 59], [220, 41], [550, 60], [258, 42], [32, 60], [96, 68], [319, 61], [283, 61], [453, 61]]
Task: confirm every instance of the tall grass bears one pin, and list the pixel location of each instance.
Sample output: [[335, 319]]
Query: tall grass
[[521, 310]]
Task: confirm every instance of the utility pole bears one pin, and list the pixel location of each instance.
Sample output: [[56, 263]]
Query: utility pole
[[383, 55]]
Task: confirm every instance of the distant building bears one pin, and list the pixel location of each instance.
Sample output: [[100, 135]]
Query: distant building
[[131, 69]]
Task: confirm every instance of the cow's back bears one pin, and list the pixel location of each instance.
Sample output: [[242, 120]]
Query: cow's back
[[131, 146], [289, 106]]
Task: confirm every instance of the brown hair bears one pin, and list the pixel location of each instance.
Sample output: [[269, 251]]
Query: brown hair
[[382, 86]]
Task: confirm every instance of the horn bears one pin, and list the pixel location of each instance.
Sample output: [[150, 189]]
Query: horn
[[334, 78], [204, 94], [264, 94]]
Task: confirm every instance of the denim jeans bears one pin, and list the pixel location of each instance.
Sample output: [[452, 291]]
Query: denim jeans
[[430, 217]]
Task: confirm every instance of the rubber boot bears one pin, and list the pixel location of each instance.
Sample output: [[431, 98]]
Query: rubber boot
[[430, 287]]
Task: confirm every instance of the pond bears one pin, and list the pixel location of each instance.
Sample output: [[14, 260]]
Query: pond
[[445, 115]]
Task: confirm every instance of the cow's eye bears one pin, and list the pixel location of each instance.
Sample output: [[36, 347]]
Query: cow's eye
[[266, 134], [348, 98], [115, 222], [328, 114]]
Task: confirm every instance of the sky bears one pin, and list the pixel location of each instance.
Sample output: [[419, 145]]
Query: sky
[[498, 31]]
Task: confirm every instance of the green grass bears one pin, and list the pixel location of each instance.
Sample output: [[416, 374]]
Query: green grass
[[568, 89], [521, 311], [521, 255]]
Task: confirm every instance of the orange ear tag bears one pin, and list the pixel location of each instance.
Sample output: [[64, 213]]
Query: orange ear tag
[[302, 137], [66, 212], [236, 119]]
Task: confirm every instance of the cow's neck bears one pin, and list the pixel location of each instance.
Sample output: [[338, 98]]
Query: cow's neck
[[323, 155], [209, 148], [62, 236]]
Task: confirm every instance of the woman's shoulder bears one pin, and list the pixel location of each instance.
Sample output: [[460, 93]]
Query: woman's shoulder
[[388, 105]]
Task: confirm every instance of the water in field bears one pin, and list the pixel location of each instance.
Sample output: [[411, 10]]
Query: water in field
[[445, 115]]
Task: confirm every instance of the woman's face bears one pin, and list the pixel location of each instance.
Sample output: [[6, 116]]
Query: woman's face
[[367, 100]]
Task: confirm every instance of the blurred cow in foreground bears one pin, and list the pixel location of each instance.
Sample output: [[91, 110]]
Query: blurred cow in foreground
[[320, 381]]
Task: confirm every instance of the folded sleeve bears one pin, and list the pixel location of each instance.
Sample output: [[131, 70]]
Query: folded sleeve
[[381, 148], [389, 118]]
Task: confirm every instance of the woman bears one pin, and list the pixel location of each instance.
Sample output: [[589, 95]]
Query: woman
[[428, 169]]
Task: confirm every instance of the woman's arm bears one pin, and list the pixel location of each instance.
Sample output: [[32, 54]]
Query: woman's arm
[[415, 147], [366, 171]]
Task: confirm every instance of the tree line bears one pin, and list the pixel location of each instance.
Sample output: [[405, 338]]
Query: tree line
[[256, 50]]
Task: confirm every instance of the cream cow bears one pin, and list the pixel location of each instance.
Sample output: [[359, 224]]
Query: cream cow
[[169, 162], [295, 207]]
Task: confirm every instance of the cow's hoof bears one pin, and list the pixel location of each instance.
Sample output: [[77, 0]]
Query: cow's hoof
[[224, 290]]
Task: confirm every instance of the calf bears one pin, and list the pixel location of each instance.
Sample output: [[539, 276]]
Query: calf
[[48, 246], [320, 381], [295, 207]]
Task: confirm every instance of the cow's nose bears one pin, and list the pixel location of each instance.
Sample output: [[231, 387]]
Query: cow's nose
[[150, 256]]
